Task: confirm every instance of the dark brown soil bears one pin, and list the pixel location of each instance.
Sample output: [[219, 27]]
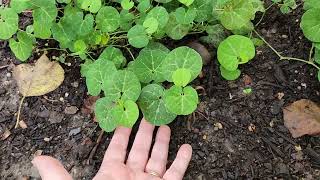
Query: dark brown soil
[[252, 142]]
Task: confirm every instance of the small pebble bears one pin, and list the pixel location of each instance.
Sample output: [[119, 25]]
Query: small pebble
[[71, 110], [66, 94], [284, 36], [46, 139], [204, 137], [75, 84], [304, 85], [8, 75], [61, 99], [75, 131]]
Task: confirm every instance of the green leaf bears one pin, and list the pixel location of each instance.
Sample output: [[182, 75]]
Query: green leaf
[[163, 1], [127, 4], [90, 5], [155, 46], [104, 115], [230, 75], [124, 85], [108, 19], [319, 75], [20, 5], [126, 20], [86, 26], [8, 22], [98, 75], [186, 2], [113, 54], [152, 105], [138, 37], [147, 65], [151, 25], [236, 13], [176, 30], [204, 9], [80, 46], [182, 57], [235, 50], [64, 1], [126, 112], [22, 48], [185, 17], [44, 15], [181, 101], [310, 24], [160, 14], [85, 67], [181, 77], [308, 4], [144, 5]]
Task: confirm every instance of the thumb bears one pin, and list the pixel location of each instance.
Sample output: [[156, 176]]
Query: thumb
[[50, 168]]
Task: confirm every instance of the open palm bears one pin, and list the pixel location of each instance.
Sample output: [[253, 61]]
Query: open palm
[[138, 165]]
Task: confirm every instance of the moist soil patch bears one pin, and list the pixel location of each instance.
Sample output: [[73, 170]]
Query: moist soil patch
[[234, 135]]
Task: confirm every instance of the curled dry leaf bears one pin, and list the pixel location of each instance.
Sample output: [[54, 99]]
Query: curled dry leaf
[[38, 79], [302, 118], [202, 50], [6, 134]]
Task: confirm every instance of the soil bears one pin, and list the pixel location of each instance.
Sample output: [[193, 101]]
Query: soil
[[234, 135]]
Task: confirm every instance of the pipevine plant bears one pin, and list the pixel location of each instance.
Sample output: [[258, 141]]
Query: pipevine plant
[[157, 81]]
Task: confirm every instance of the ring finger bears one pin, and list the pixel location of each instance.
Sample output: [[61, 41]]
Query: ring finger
[[158, 160]]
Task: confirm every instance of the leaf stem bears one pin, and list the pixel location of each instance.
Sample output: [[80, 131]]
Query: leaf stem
[[19, 112], [310, 53], [285, 57]]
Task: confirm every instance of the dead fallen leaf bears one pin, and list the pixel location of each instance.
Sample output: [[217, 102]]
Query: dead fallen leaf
[[38, 153], [38, 79], [302, 118], [247, 80], [88, 105], [23, 125], [6, 134], [202, 50]]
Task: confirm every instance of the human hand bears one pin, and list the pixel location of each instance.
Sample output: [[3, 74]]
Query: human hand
[[138, 165]]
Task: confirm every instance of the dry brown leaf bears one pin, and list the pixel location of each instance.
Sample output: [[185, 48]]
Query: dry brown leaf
[[6, 134], [23, 124], [38, 79], [88, 105], [302, 118]]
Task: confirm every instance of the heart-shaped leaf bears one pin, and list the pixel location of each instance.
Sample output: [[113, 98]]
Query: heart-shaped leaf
[[22, 48], [98, 75], [127, 4], [108, 19], [235, 50], [230, 75], [123, 85], [127, 113], [186, 2], [8, 22], [176, 30], [160, 14], [38, 79], [148, 64], [181, 101], [184, 16], [151, 103], [113, 54], [151, 25], [44, 15], [90, 5], [104, 115], [137, 36], [182, 57]]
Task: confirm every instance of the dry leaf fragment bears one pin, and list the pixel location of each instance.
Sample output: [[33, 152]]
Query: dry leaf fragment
[[23, 125], [302, 118], [6, 134], [38, 79], [88, 105]]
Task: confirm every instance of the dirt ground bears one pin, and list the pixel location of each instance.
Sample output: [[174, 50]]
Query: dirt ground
[[234, 135]]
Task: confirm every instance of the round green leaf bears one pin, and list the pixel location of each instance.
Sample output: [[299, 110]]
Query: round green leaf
[[90, 5], [80, 46], [230, 75], [124, 85], [127, 4], [163, 1], [151, 103], [182, 57], [143, 5], [310, 24], [108, 19], [160, 14], [138, 37], [98, 75], [20, 5], [186, 2], [113, 54], [147, 66], [176, 30], [22, 48], [235, 50], [185, 17], [181, 77], [104, 115], [126, 20], [236, 15], [155, 46], [181, 101], [151, 25], [8, 22], [127, 113], [319, 75]]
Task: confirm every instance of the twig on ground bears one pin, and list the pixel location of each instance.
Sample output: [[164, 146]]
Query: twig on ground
[[94, 149]]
